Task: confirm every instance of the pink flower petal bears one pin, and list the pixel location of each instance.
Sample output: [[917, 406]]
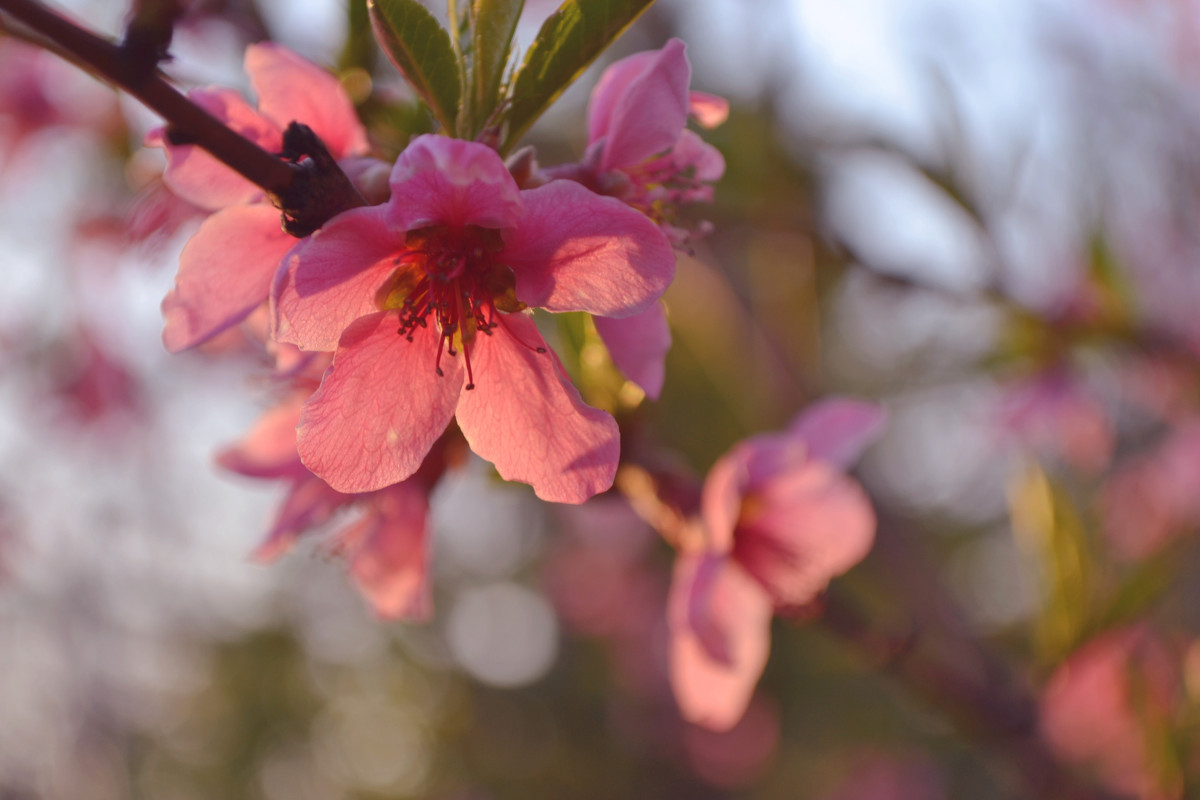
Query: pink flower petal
[[651, 112], [380, 407], [443, 181], [202, 180], [578, 251], [803, 528], [525, 417], [309, 503], [750, 464], [268, 450], [291, 88], [638, 346], [702, 160], [331, 278], [388, 552], [609, 90], [225, 272], [708, 109], [714, 692], [839, 429]]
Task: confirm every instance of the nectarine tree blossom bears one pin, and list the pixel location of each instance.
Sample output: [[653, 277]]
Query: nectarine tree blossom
[[779, 519], [226, 267], [640, 152], [424, 299]]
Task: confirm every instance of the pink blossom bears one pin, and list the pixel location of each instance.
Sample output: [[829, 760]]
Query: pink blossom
[[226, 267], [385, 545], [1056, 413], [639, 149], [779, 520], [640, 152], [403, 291], [1107, 705], [1154, 498]]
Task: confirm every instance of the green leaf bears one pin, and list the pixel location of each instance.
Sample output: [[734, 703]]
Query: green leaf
[[420, 48], [568, 42], [495, 22], [1048, 528]]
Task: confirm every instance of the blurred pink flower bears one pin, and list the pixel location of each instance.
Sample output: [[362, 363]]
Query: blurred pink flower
[[385, 546], [1152, 499], [38, 90], [640, 152], [1055, 413], [226, 267], [1108, 705], [878, 776], [780, 519], [401, 290]]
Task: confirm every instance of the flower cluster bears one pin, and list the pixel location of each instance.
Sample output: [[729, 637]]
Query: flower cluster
[[405, 327]]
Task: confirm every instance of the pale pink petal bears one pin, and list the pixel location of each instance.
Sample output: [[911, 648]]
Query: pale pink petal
[[380, 407], [310, 502], [225, 272], [838, 430], [638, 346], [609, 90], [388, 553], [578, 251], [201, 179], [714, 692], [721, 500], [442, 181], [704, 161], [802, 529], [526, 418], [331, 278], [291, 88], [268, 450], [651, 112], [751, 463], [708, 109]]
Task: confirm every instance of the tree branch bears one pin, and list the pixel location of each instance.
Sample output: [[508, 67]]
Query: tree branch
[[288, 183]]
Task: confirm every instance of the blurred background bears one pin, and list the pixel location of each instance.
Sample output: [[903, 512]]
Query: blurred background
[[981, 213]]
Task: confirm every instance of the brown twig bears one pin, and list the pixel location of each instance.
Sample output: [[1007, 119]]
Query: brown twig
[[288, 183]]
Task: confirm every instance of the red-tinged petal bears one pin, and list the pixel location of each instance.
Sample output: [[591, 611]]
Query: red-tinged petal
[[652, 110], [443, 181], [838, 430], [638, 346], [380, 407], [200, 178], [388, 553], [309, 503], [609, 90], [525, 417], [268, 450], [330, 279], [802, 529], [708, 109], [578, 251], [291, 88], [714, 692], [225, 273]]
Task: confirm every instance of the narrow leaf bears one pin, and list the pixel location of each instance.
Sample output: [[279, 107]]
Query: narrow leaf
[[420, 49], [568, 42], [495, 24]]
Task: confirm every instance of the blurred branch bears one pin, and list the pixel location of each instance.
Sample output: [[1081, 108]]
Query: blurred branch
[[131, 66]]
